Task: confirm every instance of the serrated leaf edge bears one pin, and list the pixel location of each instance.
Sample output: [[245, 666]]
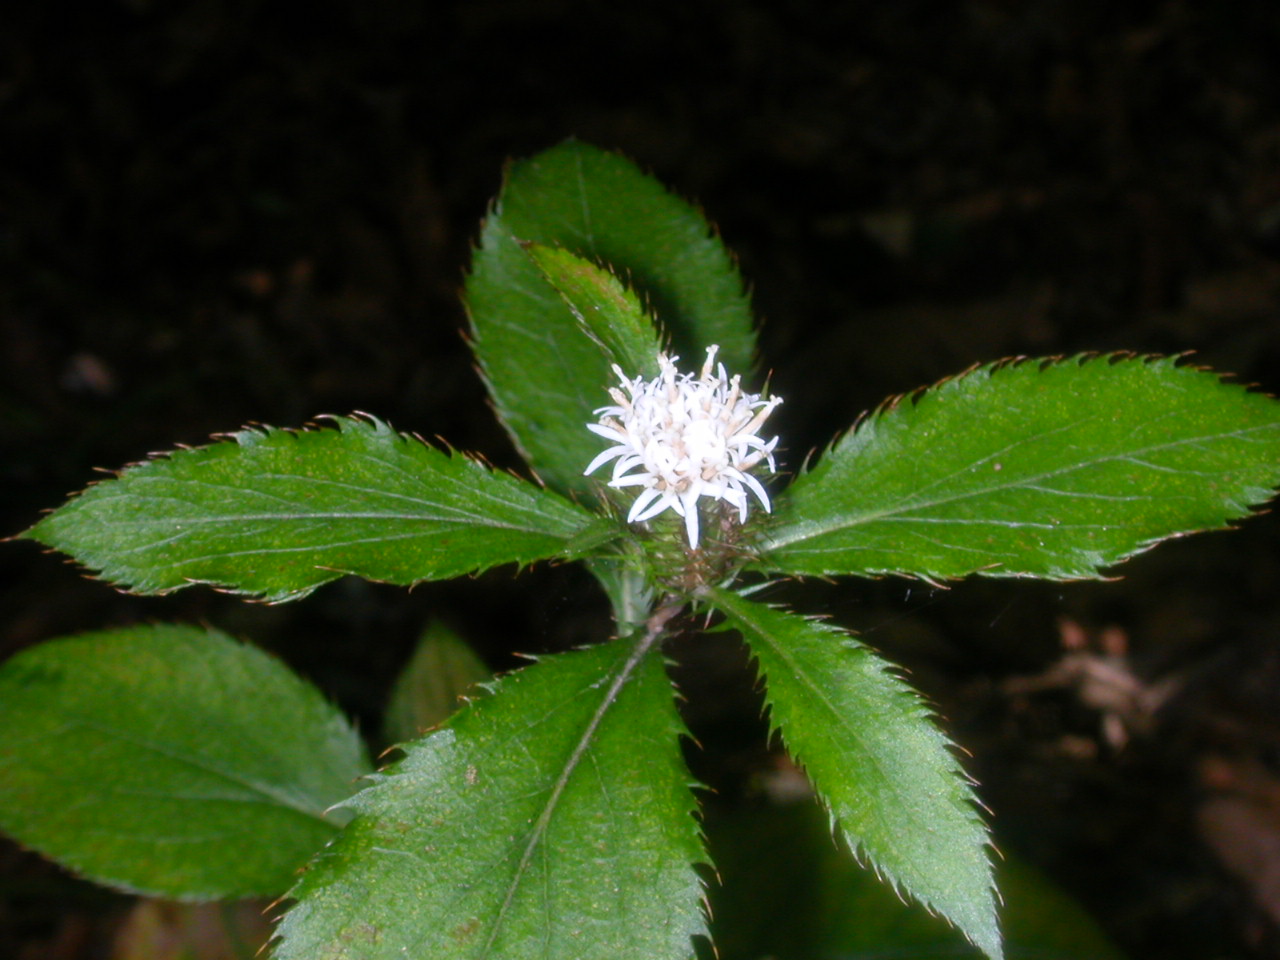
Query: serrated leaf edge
[[867, 419], [848, 641], [249, 436]]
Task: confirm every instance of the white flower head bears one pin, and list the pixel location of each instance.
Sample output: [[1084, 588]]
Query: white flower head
[[679, 437]]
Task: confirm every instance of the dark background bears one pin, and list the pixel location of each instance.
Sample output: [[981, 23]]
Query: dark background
[[213, 213]]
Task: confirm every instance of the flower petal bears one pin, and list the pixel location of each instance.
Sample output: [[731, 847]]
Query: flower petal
[[694, 433]]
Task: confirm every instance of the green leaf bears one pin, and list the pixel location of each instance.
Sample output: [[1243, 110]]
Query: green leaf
[[279, 512], [605, 309], [1053, 469], [544, 375], [171, 761], [816, 901], [553, 819], [1042, 922], [441, 670], [877, 760]]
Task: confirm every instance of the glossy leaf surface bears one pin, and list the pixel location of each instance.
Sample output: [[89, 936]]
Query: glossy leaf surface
[[277, 513], [877, 760], [544, 374], [1054, 470], [608, 312], [170, 760], [552, 819]]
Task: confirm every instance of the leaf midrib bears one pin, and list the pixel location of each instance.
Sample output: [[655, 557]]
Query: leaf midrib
[[819, 693], [538, 832], [804, 530], [269, 795], [435, 509]]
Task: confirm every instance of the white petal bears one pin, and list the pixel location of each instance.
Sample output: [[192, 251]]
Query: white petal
[[690, 504], [627, 462], [643, 479], [758, 489], [667, 502], [604, 458], [739, 500], [608, 431], [637, 513], [697, 433]]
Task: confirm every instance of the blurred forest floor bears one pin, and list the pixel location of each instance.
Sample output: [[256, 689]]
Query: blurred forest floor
[[215, 213]]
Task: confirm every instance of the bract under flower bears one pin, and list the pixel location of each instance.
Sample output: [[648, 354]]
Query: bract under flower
[[680, 437]]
